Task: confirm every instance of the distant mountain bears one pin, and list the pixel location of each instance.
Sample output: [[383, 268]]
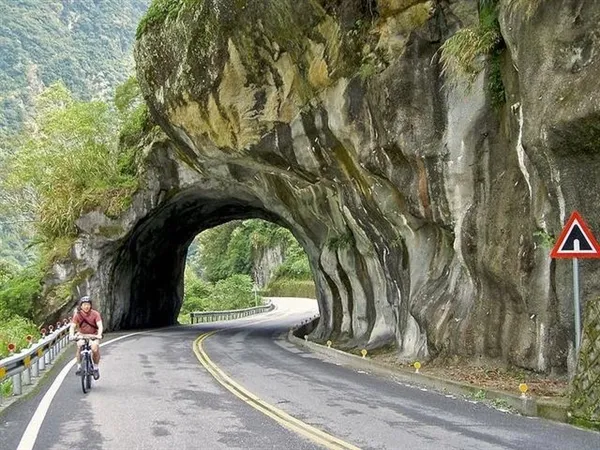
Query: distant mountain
[[85, 43]]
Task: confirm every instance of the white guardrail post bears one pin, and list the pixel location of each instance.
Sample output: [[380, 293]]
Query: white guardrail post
[[26, 365], [213, 316]]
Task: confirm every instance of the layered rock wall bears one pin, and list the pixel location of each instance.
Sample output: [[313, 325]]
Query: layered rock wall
[[422, 208]]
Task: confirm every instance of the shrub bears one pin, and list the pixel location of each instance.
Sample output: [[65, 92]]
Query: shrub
[[234, 292], [463, 55], [15, 330], [6, 388], [285, 287], [68, 161], [158, 12], [18, 294], [191, 304], [197, 288]]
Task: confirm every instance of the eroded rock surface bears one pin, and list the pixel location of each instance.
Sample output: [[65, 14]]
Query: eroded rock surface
[[421, 207]]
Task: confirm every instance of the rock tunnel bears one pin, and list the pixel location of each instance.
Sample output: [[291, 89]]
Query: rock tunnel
[[146, 283], [417, 203]]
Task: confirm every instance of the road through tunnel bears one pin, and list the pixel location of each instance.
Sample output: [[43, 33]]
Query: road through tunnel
[[146, 282]]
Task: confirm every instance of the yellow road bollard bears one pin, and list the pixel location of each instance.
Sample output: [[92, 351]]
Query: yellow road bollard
[[523, 388], [306, 337], [417, 366], [363, 352], [329, 344]]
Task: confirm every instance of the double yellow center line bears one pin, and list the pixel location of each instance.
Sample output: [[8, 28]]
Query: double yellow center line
[[281, 417]]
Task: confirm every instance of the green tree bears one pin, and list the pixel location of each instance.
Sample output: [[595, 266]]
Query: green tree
[[295, 264], [213, 245], [66, 163], [18, 294], [234, 292], [231, 249]]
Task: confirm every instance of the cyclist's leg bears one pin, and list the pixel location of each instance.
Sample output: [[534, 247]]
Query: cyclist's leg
[[96, 351], [96, 357], [80, 343]]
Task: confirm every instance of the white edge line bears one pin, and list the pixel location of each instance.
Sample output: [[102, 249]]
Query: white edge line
[[35, 424], [33, 428]]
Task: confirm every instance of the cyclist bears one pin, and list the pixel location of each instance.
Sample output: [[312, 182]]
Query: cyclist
[[87, 321]]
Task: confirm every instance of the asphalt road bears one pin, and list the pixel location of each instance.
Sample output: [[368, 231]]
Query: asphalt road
[[246, 387]]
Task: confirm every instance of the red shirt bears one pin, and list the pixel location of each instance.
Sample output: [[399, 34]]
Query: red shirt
[[88, 323]]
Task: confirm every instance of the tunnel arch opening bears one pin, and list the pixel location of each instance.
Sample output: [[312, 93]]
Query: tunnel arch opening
[[146, 282]]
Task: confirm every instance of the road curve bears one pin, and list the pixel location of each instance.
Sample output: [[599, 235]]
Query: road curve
[[241, 385]]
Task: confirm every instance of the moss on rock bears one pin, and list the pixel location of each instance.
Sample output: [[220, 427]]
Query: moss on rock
[[230, 70]]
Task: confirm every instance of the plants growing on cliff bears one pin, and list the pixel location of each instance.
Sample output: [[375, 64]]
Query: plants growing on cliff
[[231, 249], [464, 55], [545, 239], [65, 163], [159, 11], [18, 293], [341, 241]]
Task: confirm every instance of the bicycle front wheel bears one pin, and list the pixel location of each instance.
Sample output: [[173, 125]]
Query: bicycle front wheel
[[89, 373], [84, 374]]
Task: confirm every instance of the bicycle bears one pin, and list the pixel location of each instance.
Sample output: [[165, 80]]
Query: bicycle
[[87, 365]]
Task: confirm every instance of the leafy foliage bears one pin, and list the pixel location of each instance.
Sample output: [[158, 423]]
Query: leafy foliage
[[464, 55], [18, 293], [225, 255], [158, 12], [15, 234], [196, 293], [15, 330], [341, 241], [234, 292], [544, 239], [66, 163], [495, 86], [213, 246], [295, 264], [230, 249], [284, 287]]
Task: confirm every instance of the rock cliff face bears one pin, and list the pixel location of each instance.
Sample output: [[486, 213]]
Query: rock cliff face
[[422, 208], [266, 262]]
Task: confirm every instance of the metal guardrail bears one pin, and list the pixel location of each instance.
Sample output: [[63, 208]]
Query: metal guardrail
[[27, 364], [213, 316]]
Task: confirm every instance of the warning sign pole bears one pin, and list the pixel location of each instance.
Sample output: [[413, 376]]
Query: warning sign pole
[[576, 304]]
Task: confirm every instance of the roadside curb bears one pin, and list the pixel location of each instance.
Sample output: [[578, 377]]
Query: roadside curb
[[527, 406]]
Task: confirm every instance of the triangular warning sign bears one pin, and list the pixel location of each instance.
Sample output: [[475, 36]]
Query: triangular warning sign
[[576, 240]]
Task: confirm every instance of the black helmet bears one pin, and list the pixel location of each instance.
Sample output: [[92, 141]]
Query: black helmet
[[85, 299]]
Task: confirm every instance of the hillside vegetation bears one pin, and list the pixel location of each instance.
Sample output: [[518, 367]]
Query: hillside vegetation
[[85, 43]]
